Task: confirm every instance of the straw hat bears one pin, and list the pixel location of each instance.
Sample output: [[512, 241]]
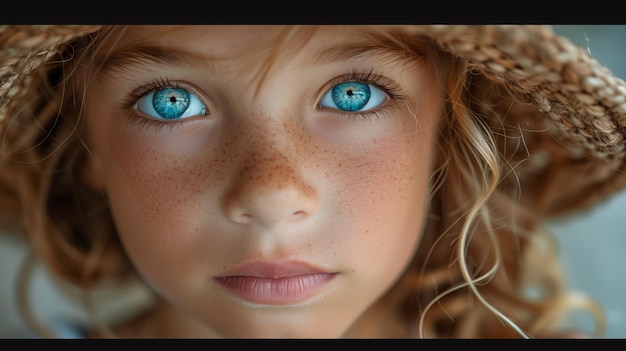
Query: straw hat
[[570, 123]]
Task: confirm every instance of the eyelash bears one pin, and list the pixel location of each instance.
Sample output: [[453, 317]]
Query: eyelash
[[366, 77], [386, 85], [157, 84]]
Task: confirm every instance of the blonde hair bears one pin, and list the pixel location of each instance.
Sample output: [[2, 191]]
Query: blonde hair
[[469, 278]]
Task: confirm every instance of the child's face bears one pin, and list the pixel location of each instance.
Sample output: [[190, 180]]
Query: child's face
[[282, 212]]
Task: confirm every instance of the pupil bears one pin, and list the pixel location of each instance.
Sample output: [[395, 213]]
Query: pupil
[[173, 99], [349, 92]]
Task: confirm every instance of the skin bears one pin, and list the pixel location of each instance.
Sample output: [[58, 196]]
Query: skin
[[266, 175]]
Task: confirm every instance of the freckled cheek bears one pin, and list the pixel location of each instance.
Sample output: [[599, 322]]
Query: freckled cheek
[[384, 194], [391, 177], [157, 190]]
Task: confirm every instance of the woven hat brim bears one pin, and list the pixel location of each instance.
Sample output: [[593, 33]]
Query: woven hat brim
[[579, 101], [23, 48]]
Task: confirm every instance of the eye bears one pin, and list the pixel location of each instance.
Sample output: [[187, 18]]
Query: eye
[[171, 103], [353, 97]]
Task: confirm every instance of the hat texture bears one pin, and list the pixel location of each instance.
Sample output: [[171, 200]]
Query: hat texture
[[24, 48], [569, 110]]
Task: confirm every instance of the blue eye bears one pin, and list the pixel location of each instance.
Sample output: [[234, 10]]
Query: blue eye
[[171, 103], [353, 97]]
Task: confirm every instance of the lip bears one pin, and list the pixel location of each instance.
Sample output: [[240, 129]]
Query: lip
[[270, 283]]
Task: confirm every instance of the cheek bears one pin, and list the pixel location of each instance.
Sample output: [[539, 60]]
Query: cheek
[[159, 201], [149, 184], [385, 196], [156, 186]]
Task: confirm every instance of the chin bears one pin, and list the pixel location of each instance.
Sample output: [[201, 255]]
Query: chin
[[269, 330]]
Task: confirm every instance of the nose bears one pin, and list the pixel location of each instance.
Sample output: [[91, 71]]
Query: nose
[[268, 190]]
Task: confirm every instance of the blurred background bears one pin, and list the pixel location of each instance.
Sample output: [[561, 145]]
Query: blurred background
[[592, 244]]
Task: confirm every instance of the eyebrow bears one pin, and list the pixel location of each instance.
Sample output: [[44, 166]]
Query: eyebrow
[[137, 56], [140, 55], [371, 47], [352, 51]]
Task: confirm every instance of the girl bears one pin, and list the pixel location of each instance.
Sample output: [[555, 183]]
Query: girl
[[331, 181]]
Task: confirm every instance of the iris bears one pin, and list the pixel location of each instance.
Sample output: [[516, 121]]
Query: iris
[[170, 102], [351, 96]]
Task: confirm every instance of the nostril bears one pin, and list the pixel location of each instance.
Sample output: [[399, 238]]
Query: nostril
[[297, 216], [243, 218], [269, 193]]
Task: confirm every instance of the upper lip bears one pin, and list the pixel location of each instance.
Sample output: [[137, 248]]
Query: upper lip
[[273, 270]]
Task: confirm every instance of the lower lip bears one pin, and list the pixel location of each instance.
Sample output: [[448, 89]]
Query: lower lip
[[276, 291]]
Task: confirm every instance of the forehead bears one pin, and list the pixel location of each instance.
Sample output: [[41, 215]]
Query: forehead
[[325, 42], [238, 37], [207, 41]]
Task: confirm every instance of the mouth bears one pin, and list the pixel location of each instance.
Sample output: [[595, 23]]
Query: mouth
[[275, 284]]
